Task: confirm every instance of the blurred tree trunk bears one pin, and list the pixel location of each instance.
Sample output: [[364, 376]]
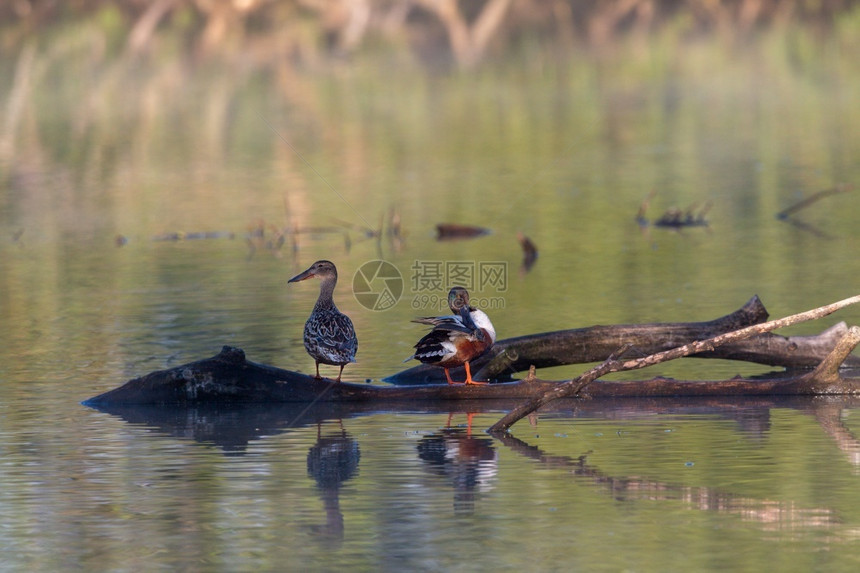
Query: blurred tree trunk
[[468, 43]]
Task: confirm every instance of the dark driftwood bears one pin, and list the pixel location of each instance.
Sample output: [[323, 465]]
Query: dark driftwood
[[229, 378], [597, 343]]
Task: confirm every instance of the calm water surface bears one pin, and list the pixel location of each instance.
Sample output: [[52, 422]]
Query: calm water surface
[[565, 156]]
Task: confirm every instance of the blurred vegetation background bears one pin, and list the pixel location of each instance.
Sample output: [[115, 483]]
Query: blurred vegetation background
[[97, 71], [437, 32]]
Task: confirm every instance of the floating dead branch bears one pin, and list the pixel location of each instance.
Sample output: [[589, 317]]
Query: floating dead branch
[[272, 238], [530, 253], [786, 215], [674, 217], [258, 239], [194, 236], [266, 237], [262, 236], [812, 199], [453, 232], [363, 231]]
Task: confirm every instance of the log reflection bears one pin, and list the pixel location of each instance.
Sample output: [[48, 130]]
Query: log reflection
[[831, 418], [771, 515], [468, 463]]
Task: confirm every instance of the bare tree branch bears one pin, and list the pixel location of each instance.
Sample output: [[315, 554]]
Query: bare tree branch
[[574, 386]]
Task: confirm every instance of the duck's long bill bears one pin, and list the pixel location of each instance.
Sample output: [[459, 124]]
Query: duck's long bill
[[302, 276]]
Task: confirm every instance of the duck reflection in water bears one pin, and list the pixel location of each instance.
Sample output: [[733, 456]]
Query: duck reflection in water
[[332, 461], [469, 463]]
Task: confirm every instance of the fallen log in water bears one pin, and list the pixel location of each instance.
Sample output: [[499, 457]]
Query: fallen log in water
[[597, 343], [229, 377]]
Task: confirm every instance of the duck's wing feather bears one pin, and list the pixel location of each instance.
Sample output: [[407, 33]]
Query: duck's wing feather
[[331, 335], [435, 346], [447, 323], [434, 320]]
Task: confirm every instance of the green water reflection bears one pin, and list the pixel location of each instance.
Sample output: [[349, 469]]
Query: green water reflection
[[99, 160], [644, 485]]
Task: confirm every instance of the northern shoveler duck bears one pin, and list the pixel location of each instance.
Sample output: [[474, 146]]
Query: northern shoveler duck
[[329, 334], [456, 339]]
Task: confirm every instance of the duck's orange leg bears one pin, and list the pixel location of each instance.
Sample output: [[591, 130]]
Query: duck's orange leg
[[448, 376], [339, 374], [318, 377], [469, 377]]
